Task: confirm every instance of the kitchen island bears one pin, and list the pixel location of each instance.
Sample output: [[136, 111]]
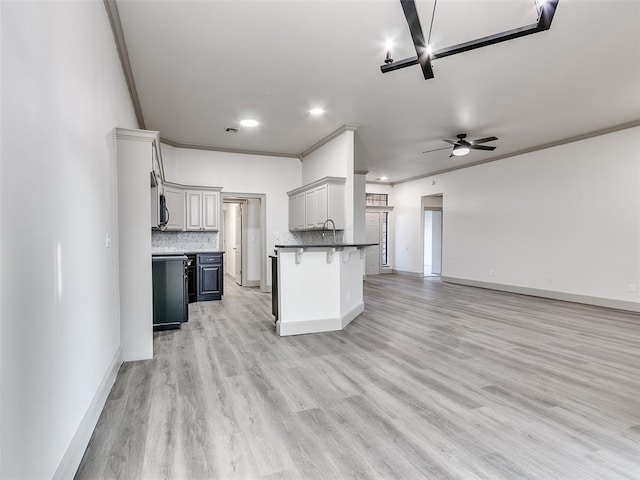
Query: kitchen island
[[319, 287]]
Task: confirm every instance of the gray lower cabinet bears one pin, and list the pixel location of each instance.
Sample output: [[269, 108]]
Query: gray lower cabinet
[[170, 307], [210, 274]]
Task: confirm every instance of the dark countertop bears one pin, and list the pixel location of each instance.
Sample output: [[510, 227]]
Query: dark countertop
[[328, 245], [168, 256], [164, 254]]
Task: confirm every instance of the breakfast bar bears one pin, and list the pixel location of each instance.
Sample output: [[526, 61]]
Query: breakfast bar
[[319, 286]]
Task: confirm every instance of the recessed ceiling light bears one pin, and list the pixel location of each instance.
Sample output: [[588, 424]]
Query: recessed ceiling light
[[429, 49], [316, 111], [249, 122], [383, 178]]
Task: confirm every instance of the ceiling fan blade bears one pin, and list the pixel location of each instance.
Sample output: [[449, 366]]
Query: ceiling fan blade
[[481, 147], [437, 149], [449, 141], [483, 140]]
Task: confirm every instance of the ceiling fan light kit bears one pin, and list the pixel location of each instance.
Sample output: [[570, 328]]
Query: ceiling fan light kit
[[462, 146], [425, 54], [460, 150]]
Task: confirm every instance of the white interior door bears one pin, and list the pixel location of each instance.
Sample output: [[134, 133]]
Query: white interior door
[[238, 245], [373, 236]]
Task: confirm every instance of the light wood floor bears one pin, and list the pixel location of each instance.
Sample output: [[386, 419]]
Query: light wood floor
[[432, 381]]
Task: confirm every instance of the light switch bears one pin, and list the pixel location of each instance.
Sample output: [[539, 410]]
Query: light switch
[[107, 241]]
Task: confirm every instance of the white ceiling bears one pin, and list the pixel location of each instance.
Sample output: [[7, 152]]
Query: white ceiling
[[202, 66]]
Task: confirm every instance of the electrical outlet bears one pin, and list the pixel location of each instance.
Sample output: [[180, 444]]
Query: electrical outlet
[[632, 288]]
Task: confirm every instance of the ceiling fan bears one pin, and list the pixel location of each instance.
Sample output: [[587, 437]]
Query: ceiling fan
[[462, 146]]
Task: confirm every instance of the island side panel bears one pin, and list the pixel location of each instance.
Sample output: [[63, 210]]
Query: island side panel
[[351, 284], [308, 292]]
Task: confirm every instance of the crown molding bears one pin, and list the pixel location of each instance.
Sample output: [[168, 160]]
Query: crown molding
[[137, 135], [328, 138], [557, 143], [123, 53], [195, 146]]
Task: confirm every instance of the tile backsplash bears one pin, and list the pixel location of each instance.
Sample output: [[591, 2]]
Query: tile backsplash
[[163, 242], [297, 238]]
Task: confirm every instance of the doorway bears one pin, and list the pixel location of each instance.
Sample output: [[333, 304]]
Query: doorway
[[432, 242], [244, 239], [232, 240]]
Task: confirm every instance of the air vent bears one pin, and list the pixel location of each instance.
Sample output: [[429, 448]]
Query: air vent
[[231, 130]]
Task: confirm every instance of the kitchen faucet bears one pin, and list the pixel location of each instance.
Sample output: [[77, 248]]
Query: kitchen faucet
[[334, 228]]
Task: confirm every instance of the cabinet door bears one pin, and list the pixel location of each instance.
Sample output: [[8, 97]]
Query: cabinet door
[[292, 216], [210, 276], [210, 210], [322, 206], [209, 281], [335, 205], [299, 212], [194, 210], [310, 209], [175, 206]]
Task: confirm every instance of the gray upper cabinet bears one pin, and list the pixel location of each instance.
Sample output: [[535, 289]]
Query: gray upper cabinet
[[202, 210], [175, 205], [192, 208], [311, 205]]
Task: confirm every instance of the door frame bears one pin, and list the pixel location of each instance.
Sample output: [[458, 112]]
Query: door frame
[[243, 243], [234, 197], [426, 203]]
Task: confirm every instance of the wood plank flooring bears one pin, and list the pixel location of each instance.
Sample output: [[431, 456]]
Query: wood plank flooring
[[433, 381]]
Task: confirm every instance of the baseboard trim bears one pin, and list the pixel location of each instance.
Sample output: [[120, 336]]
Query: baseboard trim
[[73, 456], [251, 283], [351, 314], [407, 273], [538, 292], [317, 326]]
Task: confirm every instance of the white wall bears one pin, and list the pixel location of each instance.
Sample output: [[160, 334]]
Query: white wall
[[244, 173], [62, 95], [570, 212], [168, 161], [335, 159], [359, 216], [252, 248], [379, 188]]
